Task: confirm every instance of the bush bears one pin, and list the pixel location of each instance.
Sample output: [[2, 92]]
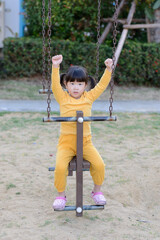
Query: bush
[[139, 63], [22, 57], [75, 20]]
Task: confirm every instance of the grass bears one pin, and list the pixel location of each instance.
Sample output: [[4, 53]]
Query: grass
[[28, 88], [11, 185], [136, 124], [20, 89], [19, 123], [127, 124], [47, 222]]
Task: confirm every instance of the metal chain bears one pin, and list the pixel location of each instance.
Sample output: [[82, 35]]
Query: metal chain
[[98, 37], [44, 48], [49, 59], [113, 58]]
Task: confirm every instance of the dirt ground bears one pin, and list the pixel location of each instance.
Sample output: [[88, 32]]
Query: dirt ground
[[130, 149]]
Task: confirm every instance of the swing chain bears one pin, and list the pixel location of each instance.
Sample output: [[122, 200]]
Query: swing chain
[[113, 58], [98, 37], [49, 59], [44, 48]]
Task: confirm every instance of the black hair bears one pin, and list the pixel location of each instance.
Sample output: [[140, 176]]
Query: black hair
[[79, 74]]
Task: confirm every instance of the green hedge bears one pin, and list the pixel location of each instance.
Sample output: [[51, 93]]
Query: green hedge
[[139, 63]]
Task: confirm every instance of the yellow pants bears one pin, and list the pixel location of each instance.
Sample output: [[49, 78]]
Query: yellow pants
[[67, 150]]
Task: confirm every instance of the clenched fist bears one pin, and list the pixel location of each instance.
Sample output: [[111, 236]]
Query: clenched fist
[[109, 63], [56, 60]]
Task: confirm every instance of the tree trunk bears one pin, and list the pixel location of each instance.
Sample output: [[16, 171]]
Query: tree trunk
[[154, 33]]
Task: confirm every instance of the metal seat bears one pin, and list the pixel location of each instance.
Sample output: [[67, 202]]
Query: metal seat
[[72, 166]]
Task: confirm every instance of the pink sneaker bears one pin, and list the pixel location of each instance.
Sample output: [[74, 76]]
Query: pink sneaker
[[59, 203], [98, 198]]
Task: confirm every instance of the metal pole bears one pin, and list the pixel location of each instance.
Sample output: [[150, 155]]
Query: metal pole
[[79, 172]]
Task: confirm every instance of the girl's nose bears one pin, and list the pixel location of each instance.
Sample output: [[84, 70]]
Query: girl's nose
[[75, 86]]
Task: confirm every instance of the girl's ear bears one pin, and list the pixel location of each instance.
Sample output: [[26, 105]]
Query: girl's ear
[[65, 83]]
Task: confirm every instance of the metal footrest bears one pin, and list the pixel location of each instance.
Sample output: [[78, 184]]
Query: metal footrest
[[85, 207]]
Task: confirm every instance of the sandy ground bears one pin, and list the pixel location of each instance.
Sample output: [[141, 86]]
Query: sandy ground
[[130, 149]]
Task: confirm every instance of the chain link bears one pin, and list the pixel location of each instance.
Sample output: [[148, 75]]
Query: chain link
[[97, 56], [49, 59], [98, 37], [44, 48], [113, 58]]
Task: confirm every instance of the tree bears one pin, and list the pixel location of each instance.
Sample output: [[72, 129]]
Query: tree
[[152, 15], [76, 20], [71, 19]]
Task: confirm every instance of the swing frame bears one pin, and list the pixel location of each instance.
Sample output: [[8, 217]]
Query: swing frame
[[77, 164]]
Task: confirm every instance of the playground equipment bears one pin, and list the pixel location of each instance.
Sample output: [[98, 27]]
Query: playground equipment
[[77, 164]]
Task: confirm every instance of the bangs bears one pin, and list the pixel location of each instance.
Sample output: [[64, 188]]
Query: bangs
[[76, 73]]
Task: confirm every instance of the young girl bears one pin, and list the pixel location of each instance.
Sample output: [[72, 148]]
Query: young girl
[[70, 101]]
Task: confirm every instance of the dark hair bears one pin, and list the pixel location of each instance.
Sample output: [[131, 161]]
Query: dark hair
[[79, 74]]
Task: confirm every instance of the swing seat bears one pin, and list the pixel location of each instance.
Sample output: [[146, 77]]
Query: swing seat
[[72, 166]]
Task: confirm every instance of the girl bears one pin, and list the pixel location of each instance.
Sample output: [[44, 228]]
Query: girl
[[70, 101]]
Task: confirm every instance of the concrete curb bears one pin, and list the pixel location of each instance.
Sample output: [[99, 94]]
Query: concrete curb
[[118, 106]]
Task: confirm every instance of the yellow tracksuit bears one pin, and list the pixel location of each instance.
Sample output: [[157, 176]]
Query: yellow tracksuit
[[66, 148]]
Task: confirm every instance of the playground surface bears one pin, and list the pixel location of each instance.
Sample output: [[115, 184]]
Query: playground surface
[[130, 149]]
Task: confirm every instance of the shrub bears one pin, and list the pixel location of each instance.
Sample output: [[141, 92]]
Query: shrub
[[138, 64], [75, 20]]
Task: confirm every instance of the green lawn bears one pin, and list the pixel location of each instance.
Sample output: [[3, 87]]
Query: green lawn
[[28, 88]]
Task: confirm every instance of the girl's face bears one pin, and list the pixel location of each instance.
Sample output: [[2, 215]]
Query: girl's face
[[75, 88]]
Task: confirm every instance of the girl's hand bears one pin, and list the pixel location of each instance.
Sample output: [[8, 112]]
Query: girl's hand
[[56, 60], [109, 63]]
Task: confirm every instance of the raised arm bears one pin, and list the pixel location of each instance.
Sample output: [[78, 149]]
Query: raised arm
[[56, 86], [103, 83]]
